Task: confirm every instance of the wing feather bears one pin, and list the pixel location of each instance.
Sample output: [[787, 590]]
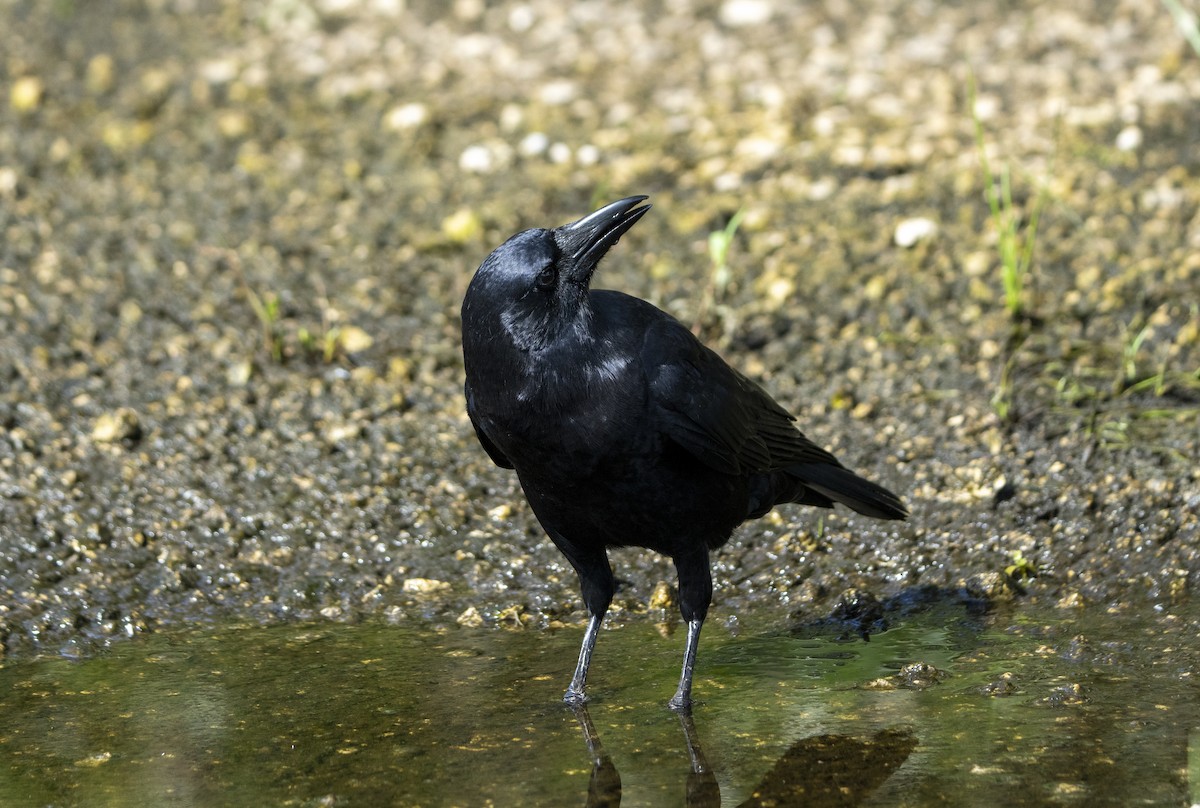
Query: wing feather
[[718, 415]]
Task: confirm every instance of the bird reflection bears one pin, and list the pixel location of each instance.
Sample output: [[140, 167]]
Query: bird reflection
[[821, 770], [604, 787]]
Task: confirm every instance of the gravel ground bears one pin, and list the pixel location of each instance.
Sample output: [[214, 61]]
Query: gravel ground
[[236, 236]]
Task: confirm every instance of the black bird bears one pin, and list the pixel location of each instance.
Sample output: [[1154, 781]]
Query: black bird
[[625, 430]]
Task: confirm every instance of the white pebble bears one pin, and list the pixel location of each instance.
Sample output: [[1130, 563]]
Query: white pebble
[[912, 231], [560, 91], [219, 71], [587, 155], [8, 181], [406, 116], [560, 153], [533, 144], [1129, 139], [521, 18], [727, 181], [735, 13], [477, 159], [759, 149]]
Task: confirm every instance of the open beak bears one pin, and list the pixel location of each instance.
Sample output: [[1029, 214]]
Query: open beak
[[586, 241]]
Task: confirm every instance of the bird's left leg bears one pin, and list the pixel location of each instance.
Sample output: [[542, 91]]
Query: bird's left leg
[[695, 593]]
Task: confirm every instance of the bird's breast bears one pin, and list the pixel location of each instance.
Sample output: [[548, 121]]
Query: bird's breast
[[570, 416]]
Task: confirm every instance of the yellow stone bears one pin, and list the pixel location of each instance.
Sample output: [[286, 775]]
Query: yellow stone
[[26, 94]]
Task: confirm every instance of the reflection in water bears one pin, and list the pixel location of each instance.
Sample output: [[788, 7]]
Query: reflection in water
[[702, 788], [821, 770], [604, 786]]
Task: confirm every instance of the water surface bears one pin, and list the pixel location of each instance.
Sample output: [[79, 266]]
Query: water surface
[[1066, 710]]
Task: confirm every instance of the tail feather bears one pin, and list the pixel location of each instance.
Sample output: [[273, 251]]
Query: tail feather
[[842, 485]]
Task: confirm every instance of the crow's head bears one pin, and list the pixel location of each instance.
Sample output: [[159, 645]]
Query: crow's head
[[534, 287]]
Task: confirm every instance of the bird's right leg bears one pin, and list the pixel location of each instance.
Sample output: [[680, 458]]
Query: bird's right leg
[[596, 581], [695, 593]]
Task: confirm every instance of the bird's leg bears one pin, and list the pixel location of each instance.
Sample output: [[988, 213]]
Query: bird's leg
[[574, 694], [682, 700], [597, 584], [695, 593]]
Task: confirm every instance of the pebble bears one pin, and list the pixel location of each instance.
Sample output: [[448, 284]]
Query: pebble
[[406, 116], [424, 586], [1129, 139], [462, 226], [476, 159], [911, 232], [119, 425], [26, 94], [738, 13], [533, 144], [353, 339]]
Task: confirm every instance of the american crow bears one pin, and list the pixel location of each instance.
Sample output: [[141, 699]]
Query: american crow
[[625, 430]]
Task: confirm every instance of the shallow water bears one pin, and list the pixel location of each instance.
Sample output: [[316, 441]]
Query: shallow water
[[1097, 710]]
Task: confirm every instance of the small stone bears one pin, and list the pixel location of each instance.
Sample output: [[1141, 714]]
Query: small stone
[[130, 312], [587, 155], [883, 683], [920, 675], [779, 290], [471, 618], [861, 410], [533, 144], [1071, 600], [911, 232], [342, 433], [462, 226], [353, 339], [424, 586], [1004, 685], [100, 74], [1064, 696], [93, 760], [120, 425], [1129, 139], [738, 13], [239, 373], [26, 94], [558, 92], [992, 587], [468, 10], [513, 617], [876, 287], [476, 159], [406, 116], [8, 181], [560, 153], [233, 123], [219, 71], [663, 596], [521, 18]]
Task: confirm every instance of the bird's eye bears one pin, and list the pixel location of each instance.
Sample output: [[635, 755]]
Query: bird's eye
[[547, 278]]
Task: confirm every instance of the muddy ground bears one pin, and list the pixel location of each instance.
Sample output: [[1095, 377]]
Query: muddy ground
[[236, 236]]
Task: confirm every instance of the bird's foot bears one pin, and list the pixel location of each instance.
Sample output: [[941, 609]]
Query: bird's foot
[[681, 703]]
